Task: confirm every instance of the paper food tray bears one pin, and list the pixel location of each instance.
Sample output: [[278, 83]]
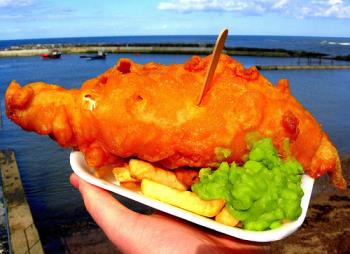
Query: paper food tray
[[80, 167]]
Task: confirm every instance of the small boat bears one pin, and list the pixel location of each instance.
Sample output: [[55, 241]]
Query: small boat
[[99, 56], [53, 54]]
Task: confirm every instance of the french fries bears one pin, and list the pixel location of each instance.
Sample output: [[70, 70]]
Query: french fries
[[184, 199], [134, 186], [144, 170], [122, 174], [226, 218], [163, 185]]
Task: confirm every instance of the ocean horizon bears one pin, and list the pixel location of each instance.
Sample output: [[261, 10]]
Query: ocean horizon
[[167, 35]]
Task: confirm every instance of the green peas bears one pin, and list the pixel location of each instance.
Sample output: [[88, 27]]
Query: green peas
[[257, 154], [270, 216], [293, 167], [253, 166], [259, 225], [275, 224], [279, 214], [238, 214], [244, 203], [294, 178], [262, 193], [289, 194]]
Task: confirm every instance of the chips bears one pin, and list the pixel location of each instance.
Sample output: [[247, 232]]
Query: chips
[[164, 185], [134, 186], [226, 218], [122, 174], [184, 199], [144, 170]]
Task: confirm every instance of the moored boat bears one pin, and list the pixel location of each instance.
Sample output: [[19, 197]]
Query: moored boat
[[53, 54], [99, 56]]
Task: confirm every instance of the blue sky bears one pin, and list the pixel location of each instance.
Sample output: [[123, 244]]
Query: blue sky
[[21, 19]]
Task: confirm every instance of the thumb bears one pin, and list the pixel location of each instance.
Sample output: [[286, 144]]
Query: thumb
[[115, 220]]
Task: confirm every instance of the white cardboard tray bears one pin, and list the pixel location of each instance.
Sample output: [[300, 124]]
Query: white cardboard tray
[[80, 167]]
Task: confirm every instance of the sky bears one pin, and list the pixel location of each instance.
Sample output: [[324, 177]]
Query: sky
[[24, 19]]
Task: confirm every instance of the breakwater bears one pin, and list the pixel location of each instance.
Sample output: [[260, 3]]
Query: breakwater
[[302, 67], [152, 48], [306, 60]]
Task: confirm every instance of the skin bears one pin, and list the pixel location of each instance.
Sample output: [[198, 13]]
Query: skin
[[136, 233]]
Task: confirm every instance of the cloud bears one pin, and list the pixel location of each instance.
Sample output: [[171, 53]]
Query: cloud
[[327, 9], [24, 11], [280, 4], [212, 5], [16, 10], [296, 8], [15, 3]]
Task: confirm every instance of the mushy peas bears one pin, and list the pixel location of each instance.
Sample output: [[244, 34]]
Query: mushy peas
[[263, 193]]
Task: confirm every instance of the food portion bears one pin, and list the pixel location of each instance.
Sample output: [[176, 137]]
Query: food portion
[[141, 170], [237, 158], [184, 199], [149, 112], [226, 218], [262, 194]]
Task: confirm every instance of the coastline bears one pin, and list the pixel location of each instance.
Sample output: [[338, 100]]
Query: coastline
[[323, 61], [156, 48]]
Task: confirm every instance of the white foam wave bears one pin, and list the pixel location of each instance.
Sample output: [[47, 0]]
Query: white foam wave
[[335, 43]]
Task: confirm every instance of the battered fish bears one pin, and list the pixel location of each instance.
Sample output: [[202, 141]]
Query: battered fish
[[149, 112]]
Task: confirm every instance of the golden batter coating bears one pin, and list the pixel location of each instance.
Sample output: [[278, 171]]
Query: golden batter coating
[[149, 112]]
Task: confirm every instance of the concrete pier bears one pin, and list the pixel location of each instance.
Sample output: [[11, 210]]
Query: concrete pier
[[138, 49], [186, 49], [302, 67], [150, 48], [23, 235]]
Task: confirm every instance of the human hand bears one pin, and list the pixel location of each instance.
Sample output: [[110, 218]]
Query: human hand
[[132, 232]]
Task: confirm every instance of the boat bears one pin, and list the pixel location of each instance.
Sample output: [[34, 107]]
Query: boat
[[53, 54], [99, 56]]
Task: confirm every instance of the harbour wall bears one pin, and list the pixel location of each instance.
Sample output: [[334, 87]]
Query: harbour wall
[[164, 48], [188, 49]]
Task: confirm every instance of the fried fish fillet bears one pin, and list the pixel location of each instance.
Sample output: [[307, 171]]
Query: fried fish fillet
[[149, 112]]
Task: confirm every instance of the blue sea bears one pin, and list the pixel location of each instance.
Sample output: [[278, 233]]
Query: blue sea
[[44, 166]]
